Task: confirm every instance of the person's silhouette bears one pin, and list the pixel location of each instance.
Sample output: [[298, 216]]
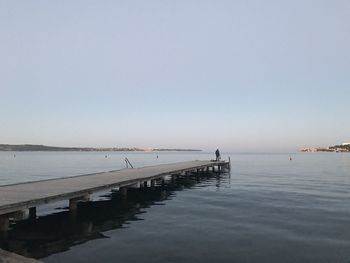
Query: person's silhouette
[[217, 154]]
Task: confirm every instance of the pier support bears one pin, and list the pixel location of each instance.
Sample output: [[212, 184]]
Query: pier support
[[147, 183], [20, 215], [153, 183], [124, 195], [124, 191], [32, 213], [136, 185], [115, 189], [4, 223], [73, 203]]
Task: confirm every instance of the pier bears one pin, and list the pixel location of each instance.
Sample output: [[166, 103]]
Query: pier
[[19, 201]]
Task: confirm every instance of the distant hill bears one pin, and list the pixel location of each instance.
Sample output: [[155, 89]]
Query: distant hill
[[33, 147]]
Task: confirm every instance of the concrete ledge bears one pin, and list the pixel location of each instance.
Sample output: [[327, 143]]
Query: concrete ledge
[[8, 257]]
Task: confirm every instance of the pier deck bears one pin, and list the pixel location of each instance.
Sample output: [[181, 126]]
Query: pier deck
[[19, 197]]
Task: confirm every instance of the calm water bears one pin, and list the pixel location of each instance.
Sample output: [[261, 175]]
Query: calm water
[[268, 209]]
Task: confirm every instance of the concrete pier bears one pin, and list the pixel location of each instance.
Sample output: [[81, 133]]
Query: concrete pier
[[73, 202], [20, 201], [4, 223], [32, 213], [24, 196]]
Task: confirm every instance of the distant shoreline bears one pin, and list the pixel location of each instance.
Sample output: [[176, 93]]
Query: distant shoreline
[[42, 148], [345, 147]]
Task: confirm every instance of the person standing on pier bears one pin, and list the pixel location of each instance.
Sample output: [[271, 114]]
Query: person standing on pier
[[217, 154]]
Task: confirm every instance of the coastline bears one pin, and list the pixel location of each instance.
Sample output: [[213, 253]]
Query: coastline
[[44, 148]]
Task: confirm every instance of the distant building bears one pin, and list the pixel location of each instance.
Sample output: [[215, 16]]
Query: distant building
[[346, 143], [310, 149], [313, 150]]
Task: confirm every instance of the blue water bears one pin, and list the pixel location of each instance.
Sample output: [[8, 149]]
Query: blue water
[[267, 209]]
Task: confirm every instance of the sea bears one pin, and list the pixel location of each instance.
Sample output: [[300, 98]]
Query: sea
[[290, 207]]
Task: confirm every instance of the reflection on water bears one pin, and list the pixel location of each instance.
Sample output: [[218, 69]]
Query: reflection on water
[[54, 233], [270, 210]]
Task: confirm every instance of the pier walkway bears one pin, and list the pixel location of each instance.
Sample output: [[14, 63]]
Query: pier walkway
[[22, 199]]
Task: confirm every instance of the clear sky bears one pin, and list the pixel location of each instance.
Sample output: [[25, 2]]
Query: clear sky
[[252, 76]]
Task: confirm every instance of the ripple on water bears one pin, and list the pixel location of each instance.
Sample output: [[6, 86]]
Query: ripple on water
[[267, 210]]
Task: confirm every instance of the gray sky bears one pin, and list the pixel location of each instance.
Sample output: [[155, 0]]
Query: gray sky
[[240, 75]]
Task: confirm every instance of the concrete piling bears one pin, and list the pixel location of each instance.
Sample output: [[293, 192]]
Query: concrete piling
[[20, 215], [73, 202], [32, 213], [153, 183], [4, 223], [124, 191]]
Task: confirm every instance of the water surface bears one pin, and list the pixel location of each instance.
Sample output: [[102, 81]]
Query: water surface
[[267, 209]]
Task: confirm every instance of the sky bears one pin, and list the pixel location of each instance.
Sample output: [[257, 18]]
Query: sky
[[243, 75]]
